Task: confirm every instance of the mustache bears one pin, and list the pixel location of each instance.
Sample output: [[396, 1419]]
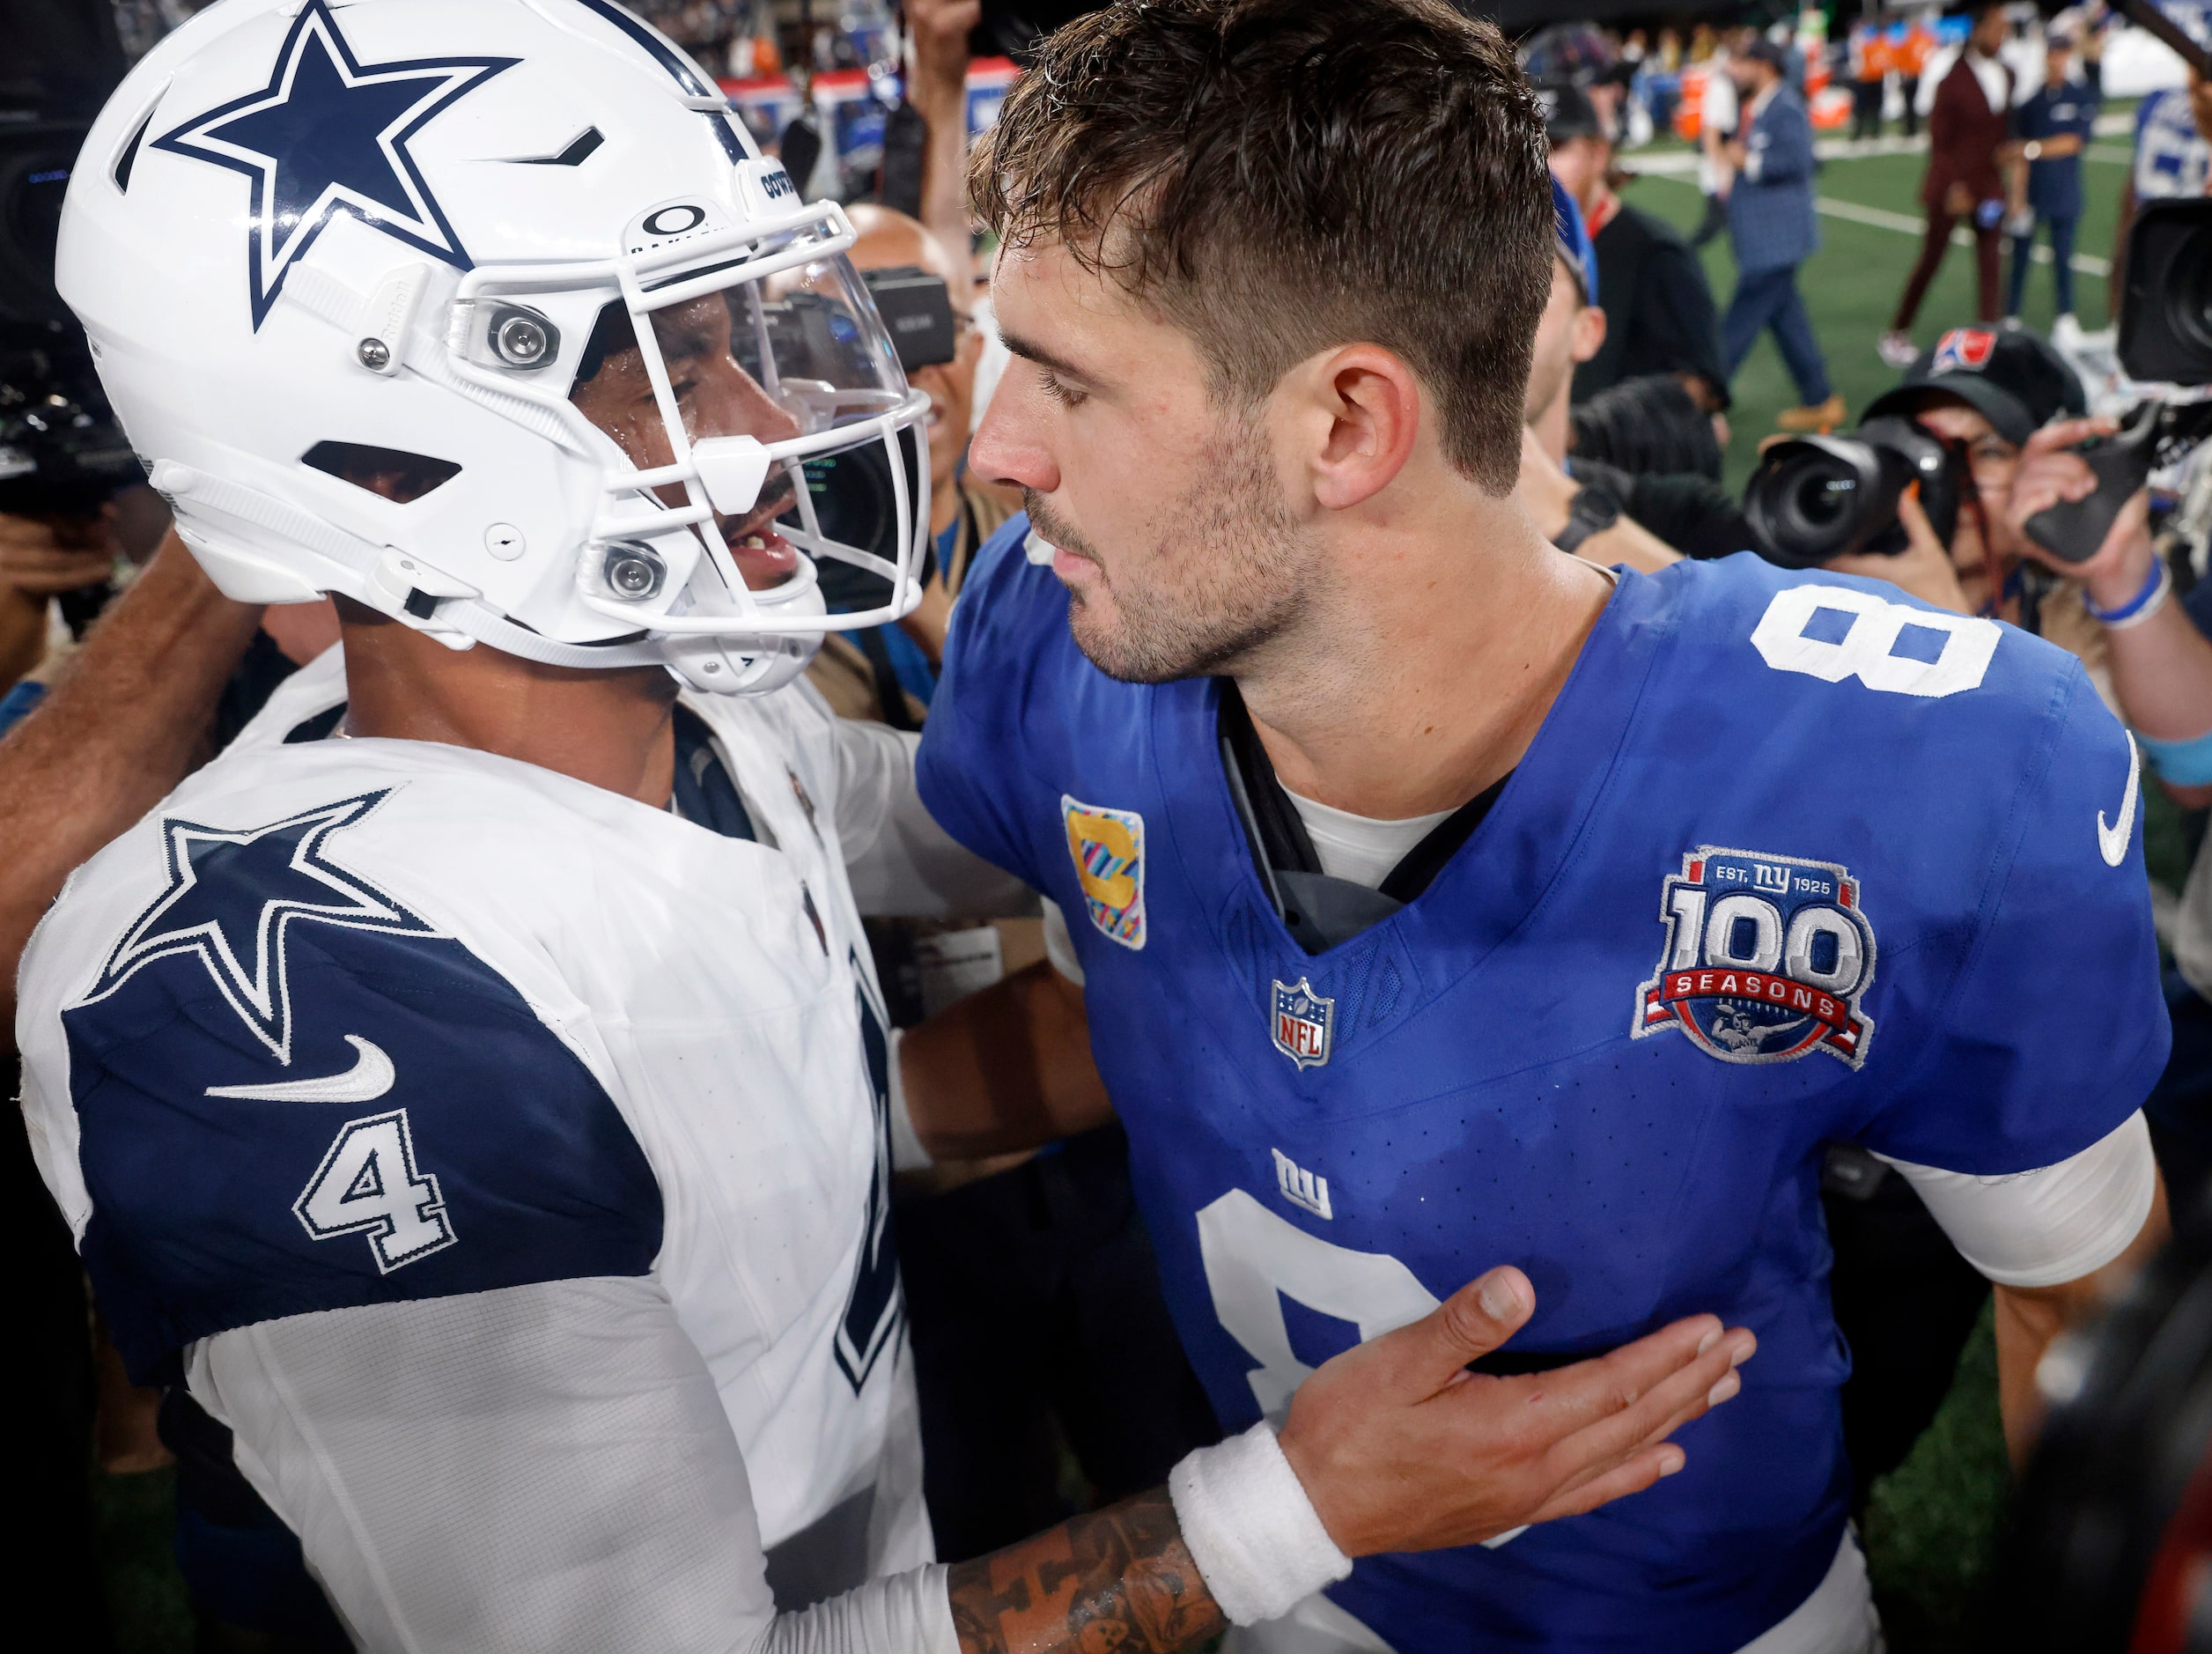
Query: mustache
[[1057, 529]]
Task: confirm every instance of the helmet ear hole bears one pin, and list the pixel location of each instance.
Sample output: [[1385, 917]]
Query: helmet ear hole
[[391, 474]]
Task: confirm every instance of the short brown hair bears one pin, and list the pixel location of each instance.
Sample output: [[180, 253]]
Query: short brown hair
[[1281, 176]]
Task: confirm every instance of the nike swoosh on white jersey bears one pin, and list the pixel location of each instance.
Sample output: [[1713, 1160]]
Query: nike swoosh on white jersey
[[2112, 842], [369, 1078]]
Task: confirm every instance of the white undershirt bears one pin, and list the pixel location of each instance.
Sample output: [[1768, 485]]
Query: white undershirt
[[1991, 74], [1360, 848]]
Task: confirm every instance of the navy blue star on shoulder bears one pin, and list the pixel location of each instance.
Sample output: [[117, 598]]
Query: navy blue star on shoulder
[[232, 895], [327, 134]]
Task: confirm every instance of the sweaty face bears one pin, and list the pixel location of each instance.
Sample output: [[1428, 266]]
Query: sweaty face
[[717, 398], [1180, 554]]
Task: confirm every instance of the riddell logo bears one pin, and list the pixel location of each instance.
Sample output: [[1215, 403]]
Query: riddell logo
[[1962, 348]]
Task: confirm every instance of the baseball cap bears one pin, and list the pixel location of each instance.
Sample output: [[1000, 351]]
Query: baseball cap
[[1759, 49], [2010, 375], [1573, 241], [1569, 112]]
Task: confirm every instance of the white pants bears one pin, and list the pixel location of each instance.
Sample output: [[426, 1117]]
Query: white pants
[[1839, 1618]]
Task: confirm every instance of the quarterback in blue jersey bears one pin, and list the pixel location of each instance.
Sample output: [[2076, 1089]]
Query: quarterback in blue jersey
[[1437, 896], [472, 1089]]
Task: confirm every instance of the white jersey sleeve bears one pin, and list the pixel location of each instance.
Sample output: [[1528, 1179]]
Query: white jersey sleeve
[[2055, 1224], [901, 862], [538, 1466]]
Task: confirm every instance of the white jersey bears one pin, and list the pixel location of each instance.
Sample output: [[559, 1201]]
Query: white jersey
[[505, 1162]]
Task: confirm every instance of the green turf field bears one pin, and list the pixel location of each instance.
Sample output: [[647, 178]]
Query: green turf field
[[1851, 286]]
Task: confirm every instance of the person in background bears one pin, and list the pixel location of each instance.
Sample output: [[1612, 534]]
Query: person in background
[[1716, 122], [1968, 128], [1663, 320], [2053, 126], [1600, 510], [888, 673], [2172, 159], [1576, 512], [1870, 49], [1773, 225], [1911, 48], [2161, 673]]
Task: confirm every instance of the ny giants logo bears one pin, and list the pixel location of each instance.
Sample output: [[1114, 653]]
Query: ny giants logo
[[1767, 959]]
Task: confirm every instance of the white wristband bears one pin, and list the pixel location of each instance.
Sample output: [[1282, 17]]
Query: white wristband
[[1252, 1529], [907, 1153]]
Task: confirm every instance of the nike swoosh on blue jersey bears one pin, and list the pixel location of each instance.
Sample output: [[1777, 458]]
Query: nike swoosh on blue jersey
[[2112, 842], [369, 1078]]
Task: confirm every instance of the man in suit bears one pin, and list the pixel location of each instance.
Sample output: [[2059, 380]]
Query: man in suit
[[1968, 129], [1772, 221]]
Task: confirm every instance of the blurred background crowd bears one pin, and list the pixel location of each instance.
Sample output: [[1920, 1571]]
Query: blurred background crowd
[[1827, 279]]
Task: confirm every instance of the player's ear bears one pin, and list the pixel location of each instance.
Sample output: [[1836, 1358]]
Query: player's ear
[[1358, 407], [1590, 333]]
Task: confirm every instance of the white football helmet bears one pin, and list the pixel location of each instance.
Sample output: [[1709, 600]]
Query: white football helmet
[[486, 313]]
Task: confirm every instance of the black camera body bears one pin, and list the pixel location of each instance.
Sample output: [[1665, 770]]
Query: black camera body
[[1816, 498], [61, 450]]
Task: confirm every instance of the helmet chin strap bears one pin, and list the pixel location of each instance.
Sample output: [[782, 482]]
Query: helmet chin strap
[[716, 664]]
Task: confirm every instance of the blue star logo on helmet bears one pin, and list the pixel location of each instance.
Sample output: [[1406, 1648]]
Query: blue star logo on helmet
[[329, 134]]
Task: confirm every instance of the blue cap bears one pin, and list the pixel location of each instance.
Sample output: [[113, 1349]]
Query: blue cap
[[1573, 239]]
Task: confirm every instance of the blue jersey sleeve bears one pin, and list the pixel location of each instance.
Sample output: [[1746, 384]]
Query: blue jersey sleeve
[[2055, 1028], [428, 1136], [973, 738]]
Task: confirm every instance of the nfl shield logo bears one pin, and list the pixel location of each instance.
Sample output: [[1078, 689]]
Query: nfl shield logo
[[1302, 1023], [1966, 348]]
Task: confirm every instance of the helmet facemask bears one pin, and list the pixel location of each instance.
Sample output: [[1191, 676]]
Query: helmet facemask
[[715, 363]]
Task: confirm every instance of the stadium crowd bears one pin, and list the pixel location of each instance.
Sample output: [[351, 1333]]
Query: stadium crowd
[[1054, 1373]]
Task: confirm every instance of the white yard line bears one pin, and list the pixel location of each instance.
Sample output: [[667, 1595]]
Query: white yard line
[[1906, 224]]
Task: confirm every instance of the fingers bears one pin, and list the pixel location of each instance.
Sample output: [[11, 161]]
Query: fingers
[[1597, 1453], [1918, 530], [2065, 433], [1476, 1320], [1639, 1471], [1698, 1388], [44, 570]]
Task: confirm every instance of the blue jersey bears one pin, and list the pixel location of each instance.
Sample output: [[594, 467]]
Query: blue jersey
[[2054, 186], [1790, 861]]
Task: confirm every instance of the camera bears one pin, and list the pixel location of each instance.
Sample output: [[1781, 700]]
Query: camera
[[1816, 498], [2166, 338], [62, 452]]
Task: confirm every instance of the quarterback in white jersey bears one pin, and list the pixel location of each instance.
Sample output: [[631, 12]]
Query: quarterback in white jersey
[[473, 1086]]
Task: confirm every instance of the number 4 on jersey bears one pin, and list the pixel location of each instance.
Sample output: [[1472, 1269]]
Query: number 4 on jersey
[[368, 1183]]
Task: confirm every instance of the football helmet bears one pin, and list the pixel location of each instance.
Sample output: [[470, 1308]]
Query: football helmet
[[488, 314]]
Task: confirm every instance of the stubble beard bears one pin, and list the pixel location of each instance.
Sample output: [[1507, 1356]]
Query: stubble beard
[[1241, 558]]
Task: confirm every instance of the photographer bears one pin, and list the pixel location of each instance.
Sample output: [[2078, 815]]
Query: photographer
[[1985, 393], [2160, 662]]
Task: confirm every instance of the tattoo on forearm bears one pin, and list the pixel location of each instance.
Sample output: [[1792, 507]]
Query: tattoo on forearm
[[1119, 1581]]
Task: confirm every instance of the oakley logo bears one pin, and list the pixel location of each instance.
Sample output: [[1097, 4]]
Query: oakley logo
[[677, 220]]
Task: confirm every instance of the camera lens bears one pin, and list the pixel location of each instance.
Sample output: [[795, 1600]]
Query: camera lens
[[1823, 498], [2192, 299], [1814, 499]]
